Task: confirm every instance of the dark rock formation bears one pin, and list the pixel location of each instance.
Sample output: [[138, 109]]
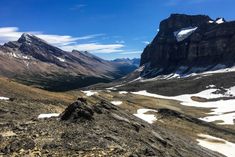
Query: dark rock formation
[[210, 43], [77, 111]]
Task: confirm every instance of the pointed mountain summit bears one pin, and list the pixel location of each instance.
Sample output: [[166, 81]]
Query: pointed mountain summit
[[29, 38]]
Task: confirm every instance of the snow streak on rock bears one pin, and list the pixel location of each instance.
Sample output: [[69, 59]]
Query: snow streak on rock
[[184, 33]]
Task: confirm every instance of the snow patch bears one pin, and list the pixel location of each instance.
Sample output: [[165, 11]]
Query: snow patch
[[4, 98], [61, 59], [210, 21], [89, 93], [219, 21], [117, 103], [217, 144], [150, 118], [184, 33], [48, 115], [122, 92], [211, 86], [19, 56]]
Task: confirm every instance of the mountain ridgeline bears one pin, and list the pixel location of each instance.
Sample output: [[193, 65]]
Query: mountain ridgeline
[[33, 61], [190, 44]]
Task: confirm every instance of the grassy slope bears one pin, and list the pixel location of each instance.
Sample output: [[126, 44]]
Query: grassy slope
[[12, 89]]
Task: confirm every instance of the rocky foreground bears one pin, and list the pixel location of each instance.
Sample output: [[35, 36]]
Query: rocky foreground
[[97, 129]]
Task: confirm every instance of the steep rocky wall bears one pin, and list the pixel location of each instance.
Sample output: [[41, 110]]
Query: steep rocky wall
[[211, 43]]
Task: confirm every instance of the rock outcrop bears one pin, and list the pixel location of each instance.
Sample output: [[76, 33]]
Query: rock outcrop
[[189, 41]]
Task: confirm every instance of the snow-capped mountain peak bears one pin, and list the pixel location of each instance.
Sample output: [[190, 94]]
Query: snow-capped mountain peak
[[30, 38]]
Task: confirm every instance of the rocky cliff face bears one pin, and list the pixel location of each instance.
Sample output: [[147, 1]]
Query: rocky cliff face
[[190, 43]]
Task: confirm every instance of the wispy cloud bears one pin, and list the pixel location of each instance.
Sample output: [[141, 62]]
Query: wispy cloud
[[146, 42], [96, 47], [78, 7], [13, 34], [120, 41], [65, 42], [131, 52], [10, 34]]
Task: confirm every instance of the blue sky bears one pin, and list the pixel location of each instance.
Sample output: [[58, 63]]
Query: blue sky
[[108, 28]]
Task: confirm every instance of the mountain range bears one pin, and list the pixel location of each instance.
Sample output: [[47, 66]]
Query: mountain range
[[176, 101], [33, 61]]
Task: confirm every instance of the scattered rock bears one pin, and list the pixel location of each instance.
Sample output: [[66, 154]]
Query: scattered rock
[[17, 144], [119, 118], [50, 146]]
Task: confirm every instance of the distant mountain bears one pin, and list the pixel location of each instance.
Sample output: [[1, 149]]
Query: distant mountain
[[33, 61], [187, 44], [134, 61]]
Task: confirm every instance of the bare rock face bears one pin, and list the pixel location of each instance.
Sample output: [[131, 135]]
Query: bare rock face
[[203, 42]]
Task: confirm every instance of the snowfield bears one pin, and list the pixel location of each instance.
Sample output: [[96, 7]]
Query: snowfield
[[150, 118], [217, 144], [89, 93], [48, 115], [117, 103], [223, 110]]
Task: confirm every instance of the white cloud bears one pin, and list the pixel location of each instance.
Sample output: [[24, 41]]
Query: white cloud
[[64, 42], [131, 52], [146, 42], [9, 34], [120, 41], [95, 47], [13, 34]]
